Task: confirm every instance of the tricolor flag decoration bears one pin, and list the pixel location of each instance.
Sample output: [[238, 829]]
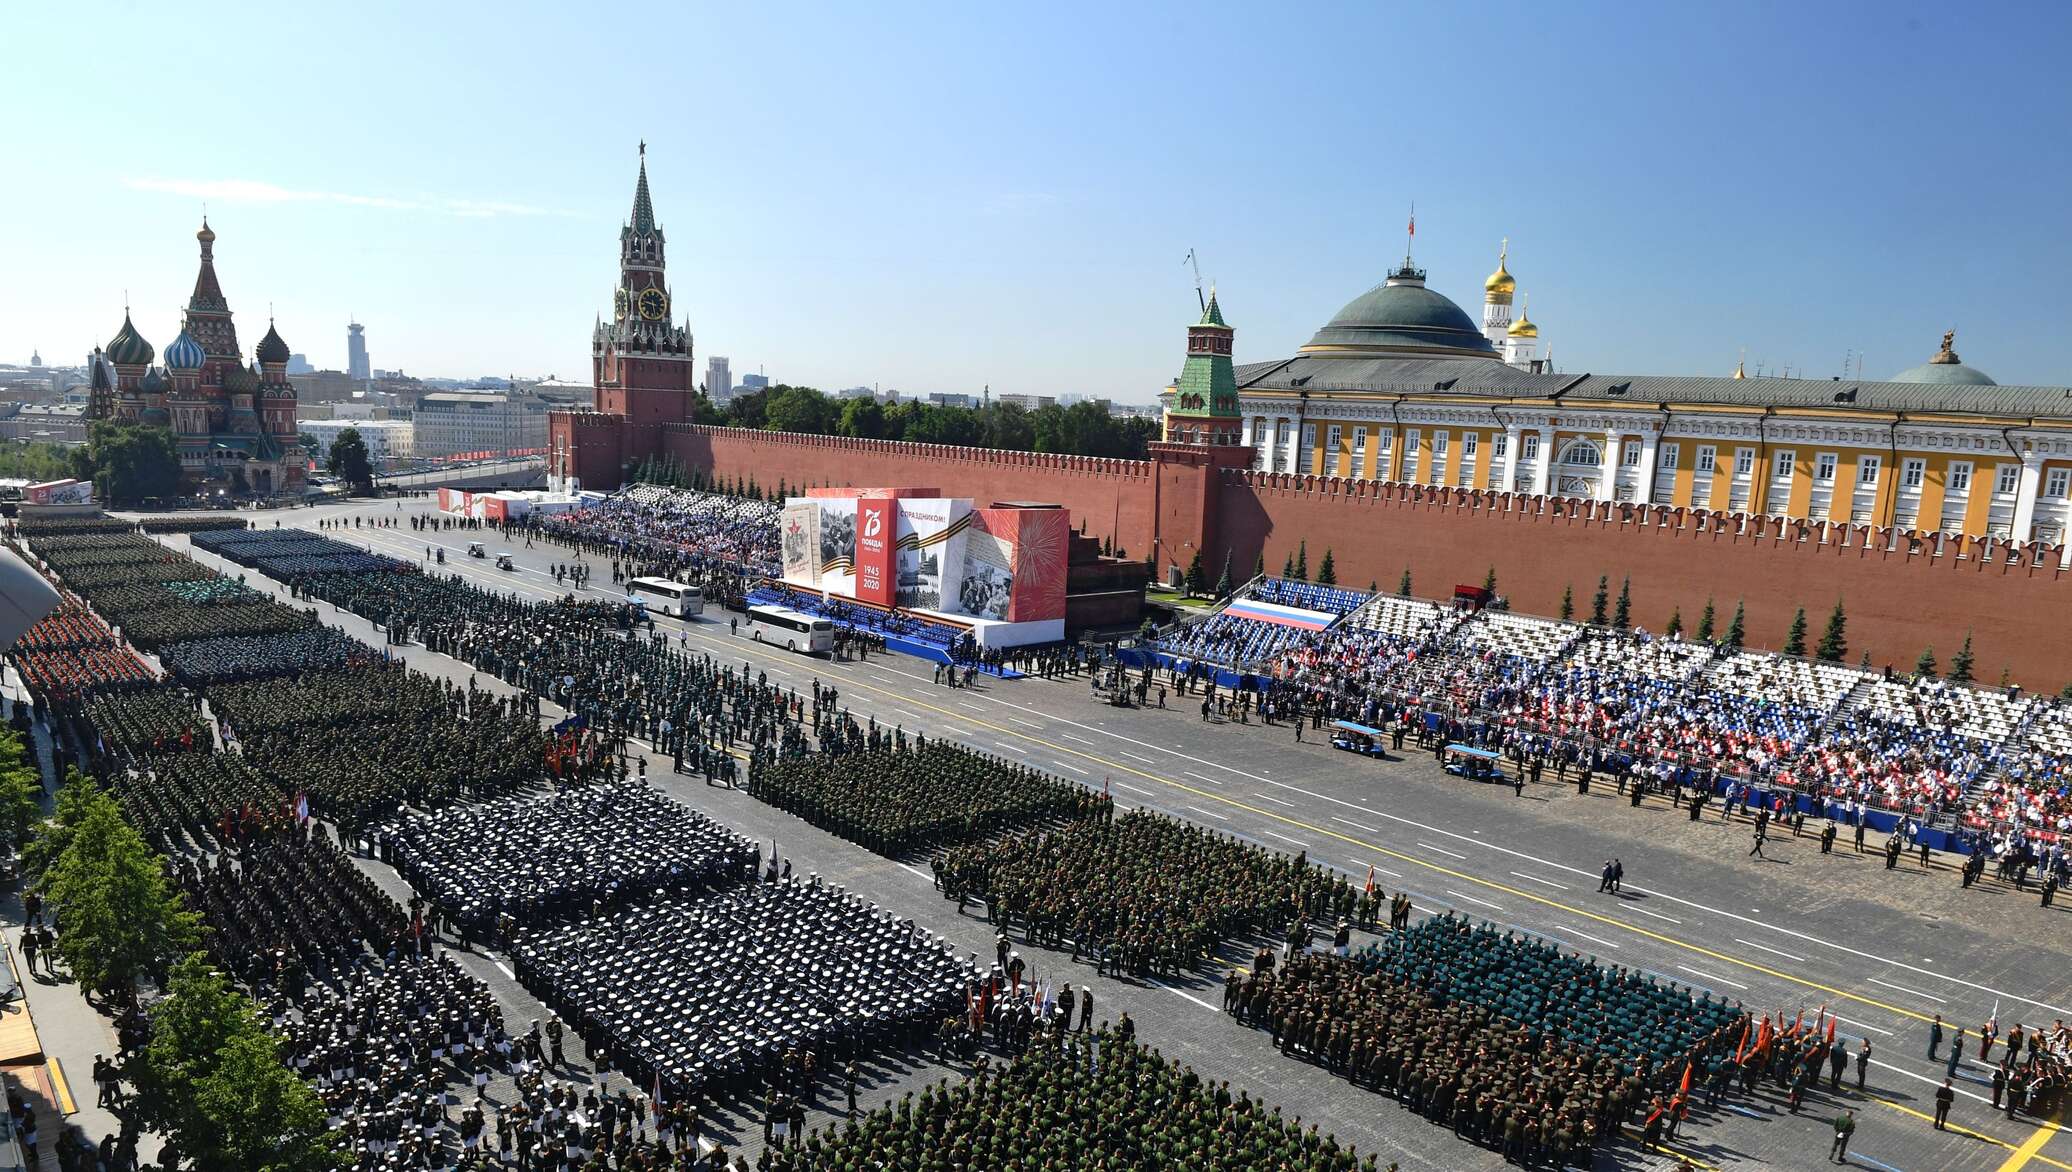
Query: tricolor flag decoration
[[1285, 616]]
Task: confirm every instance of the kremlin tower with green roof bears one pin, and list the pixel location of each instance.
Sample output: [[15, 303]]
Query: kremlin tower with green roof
[[1204, 405]]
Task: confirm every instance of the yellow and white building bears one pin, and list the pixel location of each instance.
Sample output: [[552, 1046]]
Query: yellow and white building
[[1401, 385]]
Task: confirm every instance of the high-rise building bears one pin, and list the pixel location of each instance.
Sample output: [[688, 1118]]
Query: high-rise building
[[719, 379], [356, 365], [755, 382]]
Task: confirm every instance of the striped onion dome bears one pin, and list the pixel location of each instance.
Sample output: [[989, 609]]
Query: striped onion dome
[[128, 347], [185, 353]]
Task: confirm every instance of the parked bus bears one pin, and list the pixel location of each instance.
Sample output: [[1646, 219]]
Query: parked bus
[[666, 597], [795, 631]]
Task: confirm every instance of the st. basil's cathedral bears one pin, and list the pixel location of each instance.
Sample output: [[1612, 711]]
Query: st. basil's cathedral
[[227, 418]]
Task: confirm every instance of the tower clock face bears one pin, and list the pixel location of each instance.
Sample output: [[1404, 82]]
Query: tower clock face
[[653, 305]]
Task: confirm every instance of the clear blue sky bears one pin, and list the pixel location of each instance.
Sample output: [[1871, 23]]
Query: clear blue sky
[[939, 197]]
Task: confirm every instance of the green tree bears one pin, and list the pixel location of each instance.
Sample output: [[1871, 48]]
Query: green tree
[[123, 920], [748, 410], [1622, 611], [212, 1079], [1961, 663], [1599, 600], [1926, 664], [704, 411], [1737, 630], [1196, 575], [863, 419], [1302, 560], [1675, 626], [1568, 603], [1288, 568], [1403, 586], [1327, 570], [1259, 565], [1223, 583], [1795, 639], [311, 446], [21, 791], [130, 462], [348, 461], [1705, 622], [1489, 580], [800, 409], [24, 460], [1834, 641]]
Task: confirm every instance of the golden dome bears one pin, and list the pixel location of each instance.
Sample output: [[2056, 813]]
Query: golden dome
[[1523, 327], [1500, 284]]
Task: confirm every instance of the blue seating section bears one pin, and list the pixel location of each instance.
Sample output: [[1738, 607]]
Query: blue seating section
[[1309, 595]]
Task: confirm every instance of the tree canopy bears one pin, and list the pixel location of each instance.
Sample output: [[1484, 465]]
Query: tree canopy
[[123, 919], [213, 1080], [128, 462], [1082, 429], [348, 460]]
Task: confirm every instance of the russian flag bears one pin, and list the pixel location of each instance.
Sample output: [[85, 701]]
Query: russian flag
[[1285, 616]]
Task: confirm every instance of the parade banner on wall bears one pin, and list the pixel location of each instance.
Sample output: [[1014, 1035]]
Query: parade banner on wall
[[931, 550], [1014, 565], [799, 538], [60, 492], [876, 526], [837, 564]]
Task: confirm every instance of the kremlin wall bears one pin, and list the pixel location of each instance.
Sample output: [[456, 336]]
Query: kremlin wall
[[1935, 504]]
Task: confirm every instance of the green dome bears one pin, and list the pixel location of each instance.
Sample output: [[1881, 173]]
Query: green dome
[[1946, 374], [1402, 314], [1946, 369], [128, 347]]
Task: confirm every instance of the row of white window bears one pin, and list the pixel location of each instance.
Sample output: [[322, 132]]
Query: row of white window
[[1912, 472]]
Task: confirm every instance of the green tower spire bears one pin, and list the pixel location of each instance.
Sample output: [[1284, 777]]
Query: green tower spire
[[1207, 388]]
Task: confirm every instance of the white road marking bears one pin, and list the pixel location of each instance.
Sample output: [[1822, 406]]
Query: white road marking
[[1073, 768], [1126, 785], [1354, 825], [1471, 899], [1276, 801], [1913, 992], [1210, 780], [1182, 993], [506, 970], [1385, 871], [1026, 723], [1589, 937], [1710, 977], [1135, 757], [1210, 813], [1285, 838], [887, 679], [973, 707], [1767, 948], [1442, 850], [1081, 740], [1657, 915], [1860, 1025], [1548, 882]]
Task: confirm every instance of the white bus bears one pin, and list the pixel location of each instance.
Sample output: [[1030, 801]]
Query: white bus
[[795, 631], [666, 597]]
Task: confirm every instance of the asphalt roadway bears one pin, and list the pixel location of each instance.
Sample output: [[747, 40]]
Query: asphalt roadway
[[1884, 951]]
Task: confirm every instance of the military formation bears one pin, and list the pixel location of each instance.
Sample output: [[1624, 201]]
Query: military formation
[[1141, 894], [715, 993], [901, 800], [578, 852]]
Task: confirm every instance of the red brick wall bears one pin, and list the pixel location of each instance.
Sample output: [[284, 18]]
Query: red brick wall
[[1897, 603], [1113, 497]]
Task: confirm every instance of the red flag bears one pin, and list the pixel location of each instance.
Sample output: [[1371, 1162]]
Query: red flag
[[1685, 1090], [1370, 878], [1104, 787], [1741, 1047], [1830, 1031], [1413, 221]]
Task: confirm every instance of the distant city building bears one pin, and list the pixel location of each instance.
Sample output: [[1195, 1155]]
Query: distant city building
[[719, 379], [856, 393], [386, 439], [941, 399], [356, 365], [750, 383], [1133, 410], [454, 422], [1026, 402], [564, 394], [299, 364], [44, 423]]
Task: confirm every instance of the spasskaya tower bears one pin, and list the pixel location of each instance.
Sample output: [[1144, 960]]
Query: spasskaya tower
[[640, 360]]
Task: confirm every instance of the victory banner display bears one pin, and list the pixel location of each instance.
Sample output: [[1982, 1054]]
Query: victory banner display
[[931, 535], [799, 541], [876, 524]]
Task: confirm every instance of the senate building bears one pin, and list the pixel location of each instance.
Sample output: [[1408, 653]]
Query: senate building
[[1402, 386]]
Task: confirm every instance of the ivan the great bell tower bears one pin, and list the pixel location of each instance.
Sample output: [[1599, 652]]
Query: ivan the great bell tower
[[641, 362]]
